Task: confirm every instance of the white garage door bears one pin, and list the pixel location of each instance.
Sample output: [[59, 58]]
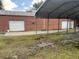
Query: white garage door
[[65, 26], [16, 25]]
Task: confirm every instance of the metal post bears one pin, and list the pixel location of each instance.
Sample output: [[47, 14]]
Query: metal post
[[70, 23], [67, 26], [36, 26], [48, 25], [70, 27], [58, 25], [75, 26]]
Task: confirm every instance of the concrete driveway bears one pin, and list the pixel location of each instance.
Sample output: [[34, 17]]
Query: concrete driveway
[[30, 33]]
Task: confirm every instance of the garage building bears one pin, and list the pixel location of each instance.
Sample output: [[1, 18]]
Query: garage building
[[16, 21]]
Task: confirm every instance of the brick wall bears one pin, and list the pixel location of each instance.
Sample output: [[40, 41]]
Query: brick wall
[[3, 23], [30, 23]]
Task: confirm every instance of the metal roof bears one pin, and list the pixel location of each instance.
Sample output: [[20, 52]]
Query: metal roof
[[59, 9], [17, 13]]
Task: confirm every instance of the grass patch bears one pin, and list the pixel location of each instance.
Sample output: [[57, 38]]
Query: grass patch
[[8, 43], [72, 53]]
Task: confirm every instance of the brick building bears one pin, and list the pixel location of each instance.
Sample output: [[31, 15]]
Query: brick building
[[12, 21]]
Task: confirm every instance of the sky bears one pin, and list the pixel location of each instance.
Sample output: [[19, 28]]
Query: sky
[[19, 5]]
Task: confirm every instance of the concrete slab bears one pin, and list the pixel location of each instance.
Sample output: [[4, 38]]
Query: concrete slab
[[30, 33]]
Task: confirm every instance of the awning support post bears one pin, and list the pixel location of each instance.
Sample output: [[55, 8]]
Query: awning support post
[[48, 25], [67, 26], [75, 26], [70, 24], [58, 25], [36, 26]]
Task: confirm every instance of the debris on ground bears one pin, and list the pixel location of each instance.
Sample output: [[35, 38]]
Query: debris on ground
[[24, 52], [69, 40]]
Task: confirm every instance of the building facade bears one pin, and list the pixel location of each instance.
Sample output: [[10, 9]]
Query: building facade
[[25, 21]]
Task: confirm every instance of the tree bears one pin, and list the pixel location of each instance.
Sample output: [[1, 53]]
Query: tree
[[37, 5], [1, 5]]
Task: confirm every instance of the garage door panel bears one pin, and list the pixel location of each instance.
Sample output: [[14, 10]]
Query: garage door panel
[[16, 25], [68, 25], [72, 24]]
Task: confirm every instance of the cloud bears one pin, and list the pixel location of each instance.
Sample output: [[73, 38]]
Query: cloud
[[23, 4], [22, 9], [37, 1], [31, 6], [8, 4], [25, 8]]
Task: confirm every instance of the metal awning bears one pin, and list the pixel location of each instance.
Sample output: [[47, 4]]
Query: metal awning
[[68, 9]]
